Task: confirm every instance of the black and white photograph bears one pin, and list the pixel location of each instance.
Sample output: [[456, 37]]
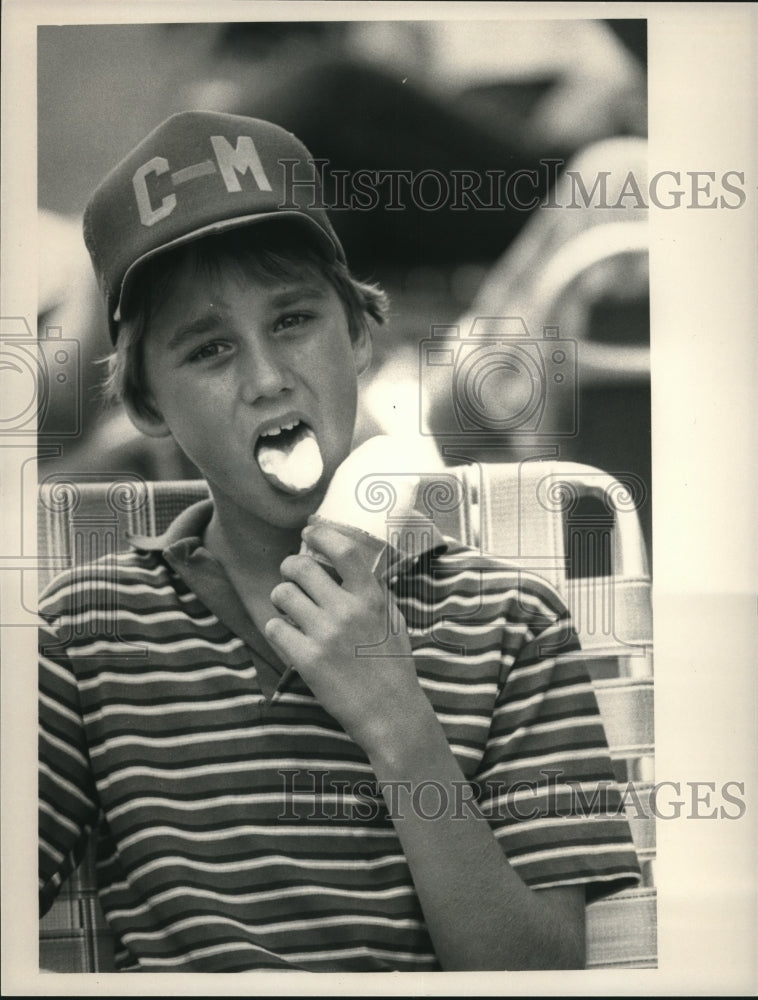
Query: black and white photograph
[[378, 456]]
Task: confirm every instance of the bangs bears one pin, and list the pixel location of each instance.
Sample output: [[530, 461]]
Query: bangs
[[264, 253]]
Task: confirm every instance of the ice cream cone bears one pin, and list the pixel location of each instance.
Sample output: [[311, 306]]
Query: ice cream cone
[[391, 474]]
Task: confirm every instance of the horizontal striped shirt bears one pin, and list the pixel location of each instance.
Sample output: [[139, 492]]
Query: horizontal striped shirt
[[239, 827]]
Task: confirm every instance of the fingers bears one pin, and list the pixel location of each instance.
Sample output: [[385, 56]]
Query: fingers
[[288, 598], [346, 554], [311, 578], [293, 647]]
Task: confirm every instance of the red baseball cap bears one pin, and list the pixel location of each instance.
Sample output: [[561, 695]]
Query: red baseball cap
[[199, 173]]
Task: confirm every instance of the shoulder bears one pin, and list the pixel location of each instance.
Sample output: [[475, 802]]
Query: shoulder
[[134, 576], [466, 573]]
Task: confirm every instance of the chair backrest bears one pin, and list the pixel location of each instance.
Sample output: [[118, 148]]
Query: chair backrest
[[578, 527], [572, 524]]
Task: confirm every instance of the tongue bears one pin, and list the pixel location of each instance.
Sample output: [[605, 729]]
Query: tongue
[[294, 465]]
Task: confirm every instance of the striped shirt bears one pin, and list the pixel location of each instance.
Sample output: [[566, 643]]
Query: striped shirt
[[239, 827]]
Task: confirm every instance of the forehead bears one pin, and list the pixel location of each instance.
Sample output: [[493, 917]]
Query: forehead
[[226, 300], [236, 259], [181, 283], [237, 277], [262, 253]]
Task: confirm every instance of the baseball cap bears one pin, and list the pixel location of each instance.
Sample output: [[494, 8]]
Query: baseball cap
[[198, 173]]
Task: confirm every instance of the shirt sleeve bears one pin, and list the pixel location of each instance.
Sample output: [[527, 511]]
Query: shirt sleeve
[[68, 804], [547, 783]]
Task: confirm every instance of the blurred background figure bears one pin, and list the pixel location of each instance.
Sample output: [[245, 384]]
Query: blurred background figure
[[551, 86], [387, 97], [417, 96], [68, 300], [70, 306], [573, 375]]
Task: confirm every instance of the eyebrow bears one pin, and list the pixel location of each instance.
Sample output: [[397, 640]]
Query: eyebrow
[[202, 324], [209, 321], [294, 294]]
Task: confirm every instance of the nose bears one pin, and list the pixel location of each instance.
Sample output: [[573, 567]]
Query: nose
[[264, 374]]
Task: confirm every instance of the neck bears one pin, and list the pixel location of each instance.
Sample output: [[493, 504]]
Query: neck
[[248, 548]]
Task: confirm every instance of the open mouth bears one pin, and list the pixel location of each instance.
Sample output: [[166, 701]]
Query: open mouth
[[289, 457]]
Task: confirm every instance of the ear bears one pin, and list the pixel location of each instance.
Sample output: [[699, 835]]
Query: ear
[[153, 425], [362, 350]]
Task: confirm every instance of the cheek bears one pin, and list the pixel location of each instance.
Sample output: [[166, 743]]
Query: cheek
[[152, 379]]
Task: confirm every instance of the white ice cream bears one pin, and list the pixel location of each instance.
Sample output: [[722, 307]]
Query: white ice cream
[[358, 504], [295, 466], [383, 459]]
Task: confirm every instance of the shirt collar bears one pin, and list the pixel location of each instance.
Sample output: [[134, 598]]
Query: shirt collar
[[189, 526], [420, 536]]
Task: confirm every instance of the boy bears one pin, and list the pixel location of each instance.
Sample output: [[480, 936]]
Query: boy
[[264, 797]]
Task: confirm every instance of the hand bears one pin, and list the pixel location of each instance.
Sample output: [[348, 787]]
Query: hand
[[327, 622]]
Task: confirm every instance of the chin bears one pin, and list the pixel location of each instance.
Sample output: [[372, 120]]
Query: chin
[[293, 510]]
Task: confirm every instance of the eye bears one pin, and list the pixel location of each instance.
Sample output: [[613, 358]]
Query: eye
[[291, 320], [212, 349]]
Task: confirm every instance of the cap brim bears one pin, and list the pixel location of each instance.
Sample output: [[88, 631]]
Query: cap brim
[[332, 249]]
